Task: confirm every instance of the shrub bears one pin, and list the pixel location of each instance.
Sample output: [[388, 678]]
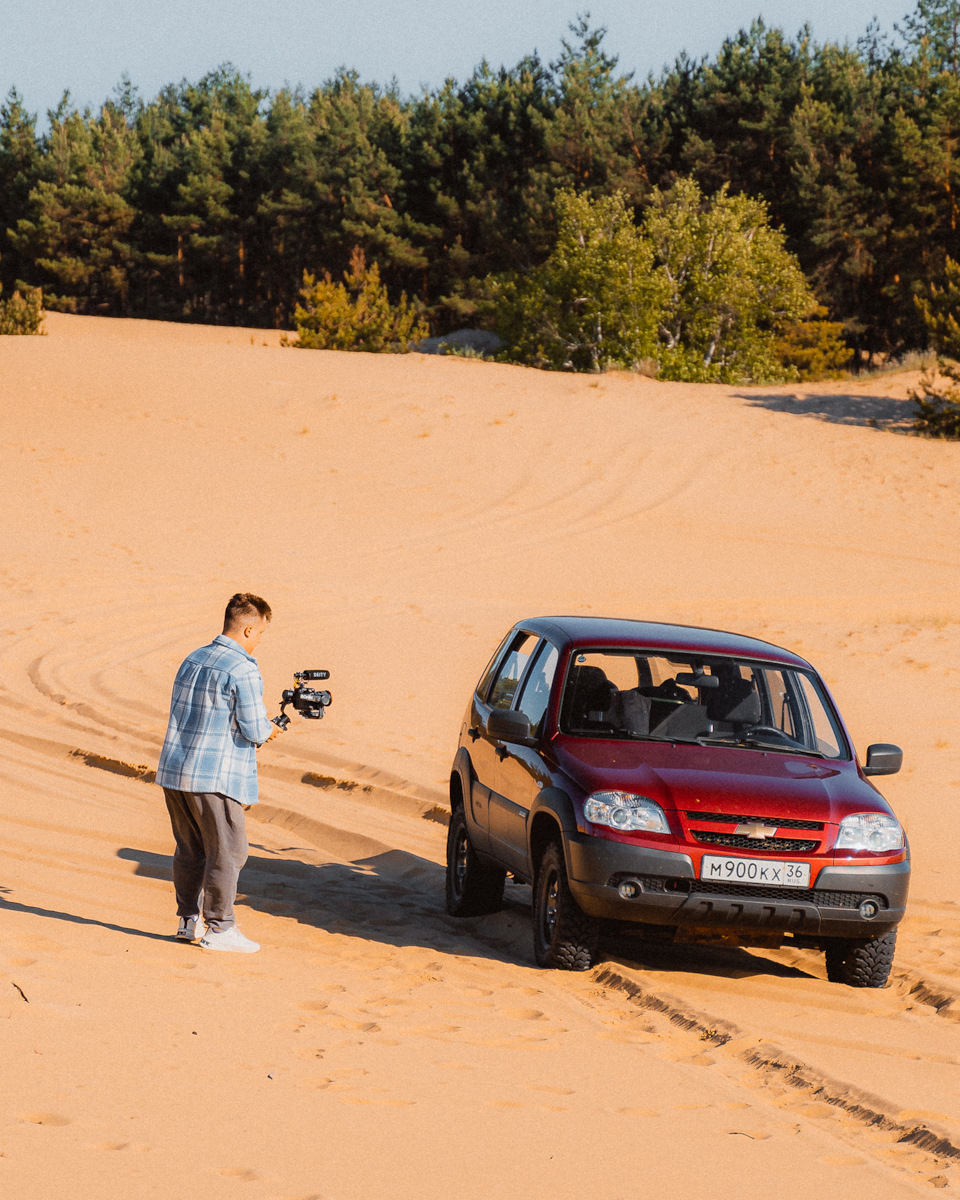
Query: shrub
[[937, 403], [814, 348], [22, 313], [356, 314]]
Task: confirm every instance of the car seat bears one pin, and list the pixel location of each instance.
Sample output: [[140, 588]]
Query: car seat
[[735, 702], [587, 701]]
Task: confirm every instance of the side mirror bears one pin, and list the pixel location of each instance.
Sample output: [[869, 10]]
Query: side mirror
[[508, 725], [883, 759]]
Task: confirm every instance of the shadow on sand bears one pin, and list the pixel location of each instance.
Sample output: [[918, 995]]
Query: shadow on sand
[[396, 899], [878, 412]]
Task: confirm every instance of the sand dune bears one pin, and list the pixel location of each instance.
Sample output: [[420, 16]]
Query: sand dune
[[400, 514]]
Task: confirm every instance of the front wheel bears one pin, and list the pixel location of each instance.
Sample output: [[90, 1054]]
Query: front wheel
[[563, 935], [861, 962], [473, 888]]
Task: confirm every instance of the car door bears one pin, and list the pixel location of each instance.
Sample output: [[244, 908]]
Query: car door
[[496, 690], [520, 773]]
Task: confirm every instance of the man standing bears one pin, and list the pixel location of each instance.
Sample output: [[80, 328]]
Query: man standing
[[208, 772]]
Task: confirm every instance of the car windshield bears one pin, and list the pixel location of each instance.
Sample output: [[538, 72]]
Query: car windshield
[[667, 695]]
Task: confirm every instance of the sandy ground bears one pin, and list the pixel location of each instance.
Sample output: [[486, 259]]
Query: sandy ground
[[400, 514]]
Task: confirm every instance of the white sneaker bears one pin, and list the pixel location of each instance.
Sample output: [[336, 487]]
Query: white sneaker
[[190, 929], [228, 939]]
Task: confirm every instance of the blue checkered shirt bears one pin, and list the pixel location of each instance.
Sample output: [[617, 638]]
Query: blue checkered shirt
[[217, 720]]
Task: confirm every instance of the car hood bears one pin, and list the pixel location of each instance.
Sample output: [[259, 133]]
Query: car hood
[[721, 779]]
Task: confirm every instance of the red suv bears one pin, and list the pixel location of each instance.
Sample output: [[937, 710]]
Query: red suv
[[698, 784]]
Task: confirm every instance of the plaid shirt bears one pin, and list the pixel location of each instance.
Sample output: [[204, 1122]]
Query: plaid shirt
[[217, 720]]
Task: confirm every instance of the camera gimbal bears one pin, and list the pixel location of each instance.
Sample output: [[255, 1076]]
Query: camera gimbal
[[306, 701]]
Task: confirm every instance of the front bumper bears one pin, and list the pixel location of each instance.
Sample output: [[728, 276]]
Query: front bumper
[[670, 894]]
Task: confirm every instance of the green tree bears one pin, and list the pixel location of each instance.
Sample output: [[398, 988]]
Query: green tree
[[590, 135], [20, 160], [728, 284], [76, 237], [356, 314], [478, 181], [198, 190], [595, 302]]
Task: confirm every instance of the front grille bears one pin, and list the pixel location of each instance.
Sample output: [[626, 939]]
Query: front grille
[[822, 897], [734, 819], [742, 842]]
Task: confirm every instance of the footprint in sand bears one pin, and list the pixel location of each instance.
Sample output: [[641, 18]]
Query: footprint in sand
[[816, 1109], [524, 1014], [243, 1174], [380, 1103], [45, 1118]]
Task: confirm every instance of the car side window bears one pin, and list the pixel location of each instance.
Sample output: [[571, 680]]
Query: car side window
[[505, 682], [536, 690]]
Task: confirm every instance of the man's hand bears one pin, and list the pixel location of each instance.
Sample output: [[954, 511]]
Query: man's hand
[[276, 730]]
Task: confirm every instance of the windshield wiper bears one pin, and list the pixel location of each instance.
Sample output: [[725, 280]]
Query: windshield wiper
[[733, 739]]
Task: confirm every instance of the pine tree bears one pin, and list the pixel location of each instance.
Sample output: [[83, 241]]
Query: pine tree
[[76, 234], [20, 159]]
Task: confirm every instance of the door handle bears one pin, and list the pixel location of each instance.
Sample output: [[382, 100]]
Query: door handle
[[473, 734], [502, 752]]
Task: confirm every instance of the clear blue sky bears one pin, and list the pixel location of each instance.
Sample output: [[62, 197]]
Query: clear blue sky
[[87, 45]]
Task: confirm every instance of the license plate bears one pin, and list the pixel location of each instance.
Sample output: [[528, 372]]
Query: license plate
[[755, 870]]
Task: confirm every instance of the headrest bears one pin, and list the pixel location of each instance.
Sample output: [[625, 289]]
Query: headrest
[[735, 700], [589, 689]]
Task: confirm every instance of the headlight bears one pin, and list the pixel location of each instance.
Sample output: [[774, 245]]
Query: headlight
[[870, 831], [626, 812]]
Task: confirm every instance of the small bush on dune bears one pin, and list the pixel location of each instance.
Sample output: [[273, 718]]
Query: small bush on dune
[[22, 313], [356, 314], [814, 348], [937, 400], [938, 404]]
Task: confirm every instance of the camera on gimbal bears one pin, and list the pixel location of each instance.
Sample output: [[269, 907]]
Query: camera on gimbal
[[307, 702]]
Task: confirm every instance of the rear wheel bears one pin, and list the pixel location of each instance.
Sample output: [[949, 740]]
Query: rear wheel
[[861, 962], [563, 935], [473, 888]]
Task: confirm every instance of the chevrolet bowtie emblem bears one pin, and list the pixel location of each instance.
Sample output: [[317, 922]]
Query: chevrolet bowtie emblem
[[757, 830]]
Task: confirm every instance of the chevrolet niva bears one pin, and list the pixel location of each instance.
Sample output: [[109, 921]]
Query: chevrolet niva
[[700, 785]]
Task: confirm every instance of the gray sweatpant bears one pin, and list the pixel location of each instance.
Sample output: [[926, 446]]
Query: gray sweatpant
[[211, 837]]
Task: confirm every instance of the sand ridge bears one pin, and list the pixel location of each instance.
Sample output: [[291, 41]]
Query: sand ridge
[[400, 514]]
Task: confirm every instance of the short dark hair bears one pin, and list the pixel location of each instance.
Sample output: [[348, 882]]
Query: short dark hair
[[245, 604]]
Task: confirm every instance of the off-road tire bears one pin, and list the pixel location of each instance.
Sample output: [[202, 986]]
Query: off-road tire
[[861, 962], [563, 935], [473, 888]]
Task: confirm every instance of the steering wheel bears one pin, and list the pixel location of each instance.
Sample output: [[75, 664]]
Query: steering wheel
[[776, 733]]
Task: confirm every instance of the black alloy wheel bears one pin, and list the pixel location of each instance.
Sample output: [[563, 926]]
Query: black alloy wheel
[[473, 888], [861, 962], [563, 935]]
